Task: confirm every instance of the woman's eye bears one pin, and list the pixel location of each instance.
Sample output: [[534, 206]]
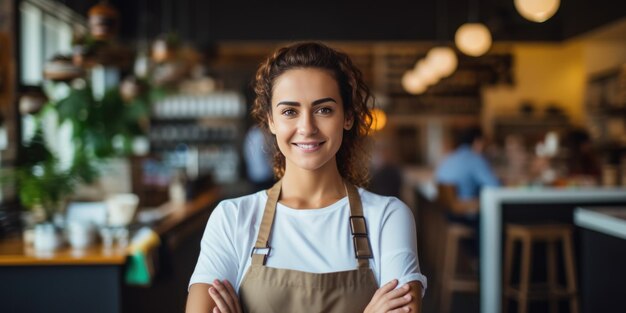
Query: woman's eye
[[325, 110], [289, 112]]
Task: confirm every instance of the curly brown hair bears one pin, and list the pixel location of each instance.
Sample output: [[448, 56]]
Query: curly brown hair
[[353, 155]]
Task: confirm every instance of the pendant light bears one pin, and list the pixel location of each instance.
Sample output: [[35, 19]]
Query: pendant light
[[473, 38], [537, 11], [412, 83], [426, 73], [379, 119], [442, 59]]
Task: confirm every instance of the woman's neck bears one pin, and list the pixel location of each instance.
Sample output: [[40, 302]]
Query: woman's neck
[[305, 189]]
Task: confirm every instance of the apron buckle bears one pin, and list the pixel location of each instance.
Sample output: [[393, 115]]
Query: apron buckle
[[265, 251], [362, 246], [261, 250], [358, 226]]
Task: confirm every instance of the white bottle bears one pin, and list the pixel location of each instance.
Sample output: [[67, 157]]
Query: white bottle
[[177, 192]]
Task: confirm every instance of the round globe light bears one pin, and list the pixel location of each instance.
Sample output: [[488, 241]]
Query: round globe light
[[412, 83], [379, 119], [443, 60], [473, 39], [426, 72], [537, 11]]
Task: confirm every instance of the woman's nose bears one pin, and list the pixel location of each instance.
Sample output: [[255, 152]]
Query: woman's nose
[[306, 125]]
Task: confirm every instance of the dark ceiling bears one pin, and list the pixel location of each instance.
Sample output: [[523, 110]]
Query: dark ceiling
[[204, 22]]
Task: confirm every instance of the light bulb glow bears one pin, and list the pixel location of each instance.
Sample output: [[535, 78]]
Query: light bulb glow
[[473, 39], [443, 60], [537, 11], [412, 83], [426, 72], [379, 119]]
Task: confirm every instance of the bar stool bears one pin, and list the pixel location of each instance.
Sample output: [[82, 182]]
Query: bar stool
[[527, 235], [451, 281]]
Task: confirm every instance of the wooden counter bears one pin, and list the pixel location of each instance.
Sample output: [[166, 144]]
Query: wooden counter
[[13, 252], [92, 280]]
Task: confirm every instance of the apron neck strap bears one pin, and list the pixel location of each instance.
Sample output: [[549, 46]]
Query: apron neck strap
[[358, 228], [262, 248]]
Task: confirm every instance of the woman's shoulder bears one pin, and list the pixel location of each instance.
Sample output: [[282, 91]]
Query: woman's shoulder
[[384, 212], [373, 201], [246, 203]]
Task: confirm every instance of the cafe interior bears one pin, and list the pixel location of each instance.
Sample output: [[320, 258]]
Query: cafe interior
[[124, 123]]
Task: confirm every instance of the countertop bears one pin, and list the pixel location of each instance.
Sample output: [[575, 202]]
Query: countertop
[[610, 221], [13, 252]]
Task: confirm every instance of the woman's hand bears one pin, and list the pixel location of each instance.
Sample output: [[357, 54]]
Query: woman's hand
[[225, 297], [387, 299]]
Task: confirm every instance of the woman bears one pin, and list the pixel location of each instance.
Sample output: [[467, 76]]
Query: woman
[[313, 242]]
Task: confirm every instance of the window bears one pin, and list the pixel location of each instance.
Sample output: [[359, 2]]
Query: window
[[46, 30]]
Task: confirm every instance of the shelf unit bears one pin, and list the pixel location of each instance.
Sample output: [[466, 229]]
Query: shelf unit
[[605, 103], [200, 135]]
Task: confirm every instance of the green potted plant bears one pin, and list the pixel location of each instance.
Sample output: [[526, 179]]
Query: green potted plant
[[100, 129]]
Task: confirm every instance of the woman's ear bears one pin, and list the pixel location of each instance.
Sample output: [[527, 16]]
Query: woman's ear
[[349, 121], [270, 124]]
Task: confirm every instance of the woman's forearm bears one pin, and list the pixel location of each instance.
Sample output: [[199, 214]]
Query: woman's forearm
[[416, 294], [199, 300]]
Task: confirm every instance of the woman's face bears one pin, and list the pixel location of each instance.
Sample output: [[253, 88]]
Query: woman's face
[[308, 118]]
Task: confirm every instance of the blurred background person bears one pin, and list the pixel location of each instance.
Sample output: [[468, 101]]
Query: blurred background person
[[467, 170], [258, 160]]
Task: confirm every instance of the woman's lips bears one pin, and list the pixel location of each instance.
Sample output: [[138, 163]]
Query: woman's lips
[[309, 146]]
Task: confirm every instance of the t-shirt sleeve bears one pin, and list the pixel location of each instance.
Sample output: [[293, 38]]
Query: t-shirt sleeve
[[399, 246], [218, 257]]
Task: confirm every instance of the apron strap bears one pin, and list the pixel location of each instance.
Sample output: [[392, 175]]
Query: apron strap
[[358, 227], [262, 248]]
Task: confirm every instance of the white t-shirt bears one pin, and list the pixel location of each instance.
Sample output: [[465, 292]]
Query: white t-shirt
[[315, 240]]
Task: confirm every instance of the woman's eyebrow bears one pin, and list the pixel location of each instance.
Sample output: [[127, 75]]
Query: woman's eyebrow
[[292, 103], [316, 102], [323, 100]]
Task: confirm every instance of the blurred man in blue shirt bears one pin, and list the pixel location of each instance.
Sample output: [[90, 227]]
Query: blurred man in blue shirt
[[468, 171], [466, 168]]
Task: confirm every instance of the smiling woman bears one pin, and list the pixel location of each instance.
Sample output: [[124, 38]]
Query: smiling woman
[[309, 130], [351, 94], [334, 247]]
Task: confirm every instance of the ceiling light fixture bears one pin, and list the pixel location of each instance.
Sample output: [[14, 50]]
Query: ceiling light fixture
[[473, 38], [537, 11], [379, 119], [412, 83], [442, 60], [426, 72]]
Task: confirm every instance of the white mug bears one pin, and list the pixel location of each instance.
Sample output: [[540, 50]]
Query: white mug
[[121, 208]]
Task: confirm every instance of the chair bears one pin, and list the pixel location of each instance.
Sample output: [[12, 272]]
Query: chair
[[451, 281], [527, 235]]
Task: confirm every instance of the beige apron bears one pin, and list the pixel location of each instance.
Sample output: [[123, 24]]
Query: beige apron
[[265, 289]]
